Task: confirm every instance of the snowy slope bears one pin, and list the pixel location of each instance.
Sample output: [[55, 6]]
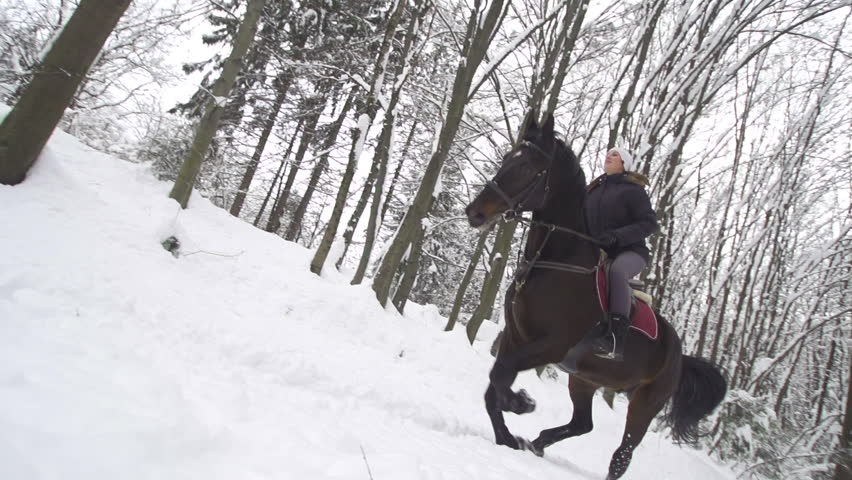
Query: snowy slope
[[119, 361]]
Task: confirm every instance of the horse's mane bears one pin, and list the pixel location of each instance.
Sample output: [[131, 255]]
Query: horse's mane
[[565, 153]]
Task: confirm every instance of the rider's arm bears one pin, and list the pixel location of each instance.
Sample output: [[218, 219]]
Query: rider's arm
[[644, 219]]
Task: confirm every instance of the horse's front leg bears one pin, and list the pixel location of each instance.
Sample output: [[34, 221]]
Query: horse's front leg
[[502, 435], [499, 396], [503, 375]]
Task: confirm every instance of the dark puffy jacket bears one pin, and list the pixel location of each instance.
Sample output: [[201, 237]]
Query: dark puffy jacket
[[619, 204]]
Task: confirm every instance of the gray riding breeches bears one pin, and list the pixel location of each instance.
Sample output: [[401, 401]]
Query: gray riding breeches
[[625, 266]]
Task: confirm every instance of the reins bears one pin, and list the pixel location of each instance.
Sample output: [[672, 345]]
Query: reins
[[514, 213], [514, 216], [527, 264]]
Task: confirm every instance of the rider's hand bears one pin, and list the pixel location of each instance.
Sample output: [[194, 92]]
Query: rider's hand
[[606, 240]]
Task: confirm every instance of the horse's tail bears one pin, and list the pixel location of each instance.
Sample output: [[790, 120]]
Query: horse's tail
[[701, 389]]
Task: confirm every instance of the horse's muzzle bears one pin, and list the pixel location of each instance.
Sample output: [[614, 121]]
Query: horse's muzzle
[[475, 217]]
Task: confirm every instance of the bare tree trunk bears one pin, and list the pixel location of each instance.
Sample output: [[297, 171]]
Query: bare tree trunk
[[824, 390], [577, 12], [283, 84], [278, 173], [843, 470], [376, 218], [541, 88], [625, 109], [494, 278], [409, 275], [295, 225], [468, 275], [378, 169], [216, 105], [395, 179], [308, 133], [365, 120], [26, 129], [480, 29]]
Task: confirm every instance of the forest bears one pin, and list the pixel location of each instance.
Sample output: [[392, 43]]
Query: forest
[[361, 129]]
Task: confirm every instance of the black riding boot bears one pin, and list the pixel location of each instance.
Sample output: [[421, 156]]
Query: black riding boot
[[606, 338]]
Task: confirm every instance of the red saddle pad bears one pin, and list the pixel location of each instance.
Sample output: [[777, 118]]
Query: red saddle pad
[[642, 316]]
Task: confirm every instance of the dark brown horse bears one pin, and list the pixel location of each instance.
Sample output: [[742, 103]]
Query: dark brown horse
[[552, 303]]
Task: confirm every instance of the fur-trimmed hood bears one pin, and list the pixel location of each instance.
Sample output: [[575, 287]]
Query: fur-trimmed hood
[[632, 177]]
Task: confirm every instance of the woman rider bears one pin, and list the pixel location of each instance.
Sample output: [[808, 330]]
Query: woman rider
[[619, 215]]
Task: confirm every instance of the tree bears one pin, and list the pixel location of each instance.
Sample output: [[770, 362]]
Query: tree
[[378, 170], [843, 470], [216, 105], [365, 119], [482, 23], [26, 129]]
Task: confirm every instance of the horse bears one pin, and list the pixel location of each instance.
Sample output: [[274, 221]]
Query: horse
[[552, 303]]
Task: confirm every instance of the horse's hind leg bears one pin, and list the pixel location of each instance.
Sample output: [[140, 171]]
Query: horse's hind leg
[[582, 393], [646, 402]]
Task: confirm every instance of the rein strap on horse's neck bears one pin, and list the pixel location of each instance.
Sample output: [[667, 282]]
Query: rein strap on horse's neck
[[535, 223], [564, 267]]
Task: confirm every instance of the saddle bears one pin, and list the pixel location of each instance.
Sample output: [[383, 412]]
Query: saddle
[[642, 316]]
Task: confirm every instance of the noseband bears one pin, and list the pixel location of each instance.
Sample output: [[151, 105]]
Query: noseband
[[516, 202]]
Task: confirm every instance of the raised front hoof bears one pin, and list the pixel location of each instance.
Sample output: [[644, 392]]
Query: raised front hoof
[[518, 403]]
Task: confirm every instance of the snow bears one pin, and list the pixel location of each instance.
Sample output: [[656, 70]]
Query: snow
[[220, 102], [309, 17], [232, 361], [743, 432], [364, 122], [513, 45]]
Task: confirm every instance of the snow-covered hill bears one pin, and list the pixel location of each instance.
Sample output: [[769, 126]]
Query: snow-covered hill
[[233, 361]]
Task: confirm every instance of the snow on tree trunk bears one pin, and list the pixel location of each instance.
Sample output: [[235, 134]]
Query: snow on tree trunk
[[365, 120], [479, 33], [378, 169], [379, 206], [216, 105]]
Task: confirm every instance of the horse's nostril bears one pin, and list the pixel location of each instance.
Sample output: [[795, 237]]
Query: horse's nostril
[[476, 219]]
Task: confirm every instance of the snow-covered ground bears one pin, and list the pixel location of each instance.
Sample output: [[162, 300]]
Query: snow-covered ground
[[119, 361]]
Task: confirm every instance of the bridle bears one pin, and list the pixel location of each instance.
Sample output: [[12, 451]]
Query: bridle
[[515, 213], [517, 201]]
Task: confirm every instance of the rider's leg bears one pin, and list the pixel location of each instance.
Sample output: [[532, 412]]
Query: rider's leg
[[625, 266], [610, 334]]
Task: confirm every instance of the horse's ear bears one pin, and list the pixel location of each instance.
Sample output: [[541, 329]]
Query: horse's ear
[[530, 123], [547, 129]]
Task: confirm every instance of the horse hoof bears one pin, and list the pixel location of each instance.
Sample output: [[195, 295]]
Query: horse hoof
[[539, 445], [515, 443], [529, 446], [527, 404]]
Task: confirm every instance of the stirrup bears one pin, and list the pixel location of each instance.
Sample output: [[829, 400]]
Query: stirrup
[[611, 355]]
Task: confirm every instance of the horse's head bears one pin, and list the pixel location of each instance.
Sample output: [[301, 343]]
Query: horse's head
[[523, 182]]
